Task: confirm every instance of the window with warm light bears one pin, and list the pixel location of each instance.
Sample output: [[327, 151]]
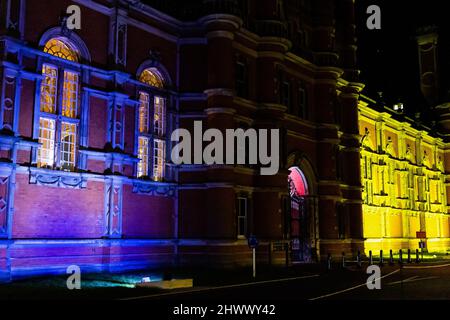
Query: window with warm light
[[158, 159], [144, 105], [49, 88], [143, 156], [158, 116], [152, 126], [68, 145], [58, 112]]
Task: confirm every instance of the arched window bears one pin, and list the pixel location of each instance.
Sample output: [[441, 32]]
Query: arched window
[[152, 126], [152, 77], [58, 116], [59, 48]]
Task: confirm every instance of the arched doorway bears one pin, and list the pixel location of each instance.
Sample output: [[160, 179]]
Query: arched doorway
[[299, 232]]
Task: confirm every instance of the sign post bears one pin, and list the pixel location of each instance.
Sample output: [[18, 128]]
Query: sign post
[[421, 235], [253, 243]]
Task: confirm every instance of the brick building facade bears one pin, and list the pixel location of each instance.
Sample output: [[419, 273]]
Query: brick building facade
[[86, 117]]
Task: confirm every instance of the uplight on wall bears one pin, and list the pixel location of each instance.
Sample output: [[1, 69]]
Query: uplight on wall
[[398, 107]]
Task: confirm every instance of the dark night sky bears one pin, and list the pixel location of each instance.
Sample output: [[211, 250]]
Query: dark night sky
[[388, 57]]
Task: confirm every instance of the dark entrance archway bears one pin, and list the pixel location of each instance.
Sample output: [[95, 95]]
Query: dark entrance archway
[[299, 224]]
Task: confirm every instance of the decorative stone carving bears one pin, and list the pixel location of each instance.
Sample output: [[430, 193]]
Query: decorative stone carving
[[58, 180], [3, 205], [153, 190]]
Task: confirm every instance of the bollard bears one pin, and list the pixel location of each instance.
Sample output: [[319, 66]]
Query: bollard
[[343, 259], [409, 256], [286, 248], [381, 258], [329, 261], [370, 258], [400, 256], [358, 259], [417, 256], [391, 257]]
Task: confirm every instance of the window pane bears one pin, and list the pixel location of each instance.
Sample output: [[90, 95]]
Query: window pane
[[68, 144], [144, 101], [70, 95], [158, 159], [241, 211], [302, 104], [241, 80], [143, 155], [159, 116], [49, 88], [46, 153]]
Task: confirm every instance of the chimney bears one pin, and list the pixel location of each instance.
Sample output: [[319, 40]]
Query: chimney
[[427, 43]]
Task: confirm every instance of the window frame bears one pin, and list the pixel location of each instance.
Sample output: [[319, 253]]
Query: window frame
[[286, 94], [242, 84], [62, 67], [239, 217], [153, 93], [302, 102], [138, 173]]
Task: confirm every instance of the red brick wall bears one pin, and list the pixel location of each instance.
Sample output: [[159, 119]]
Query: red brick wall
[[96, 166], [146, 216], [50, 212], [129, 129], [268, 217], [141, 42], [128, 170], [37, 24], [26, 108], [207, 214], [23, 156], [97, 123]]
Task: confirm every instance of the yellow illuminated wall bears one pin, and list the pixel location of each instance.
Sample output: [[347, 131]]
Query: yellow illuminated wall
[[403, 179]]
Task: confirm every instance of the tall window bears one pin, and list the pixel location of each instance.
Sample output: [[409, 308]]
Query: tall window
[[158, 116], [49, 88], [58, 123], [152, 127], [67, 146], [242, 215], [46, 152]]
